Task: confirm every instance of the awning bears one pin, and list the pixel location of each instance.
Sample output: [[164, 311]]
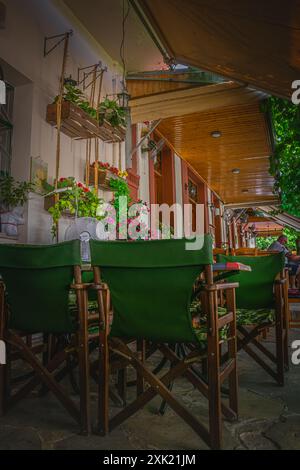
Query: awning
[[172, 102], [282, 218], [265, 229], [253, 41]]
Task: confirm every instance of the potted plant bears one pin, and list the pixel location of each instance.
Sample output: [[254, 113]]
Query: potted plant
[[111, 111], [75, 199], [13, 196]]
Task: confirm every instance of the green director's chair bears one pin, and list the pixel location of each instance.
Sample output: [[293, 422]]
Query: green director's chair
[[34, 299], [150, 284], [262, 303]]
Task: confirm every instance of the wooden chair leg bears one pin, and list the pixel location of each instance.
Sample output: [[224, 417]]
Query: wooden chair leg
[[286, 349], [156, 386], [103, 394], [43, 374], [232, 353], [141, 350], [103, 386], [122, 385], [214, 385], [83, 356], [286, 327], [279, 334]]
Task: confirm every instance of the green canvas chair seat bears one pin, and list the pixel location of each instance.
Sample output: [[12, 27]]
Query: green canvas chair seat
[[156, 278], [261, 302], [256, 288], [37, 280]]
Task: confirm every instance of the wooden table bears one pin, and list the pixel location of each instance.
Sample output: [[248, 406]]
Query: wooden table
[[228, 269]]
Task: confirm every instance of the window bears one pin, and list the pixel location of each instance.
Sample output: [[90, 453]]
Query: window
[[6, 130]]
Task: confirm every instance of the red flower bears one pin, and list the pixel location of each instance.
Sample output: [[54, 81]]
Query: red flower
[[80, 185], [86, 190], [62, 179]]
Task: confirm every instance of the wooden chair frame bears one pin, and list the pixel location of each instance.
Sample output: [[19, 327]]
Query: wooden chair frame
[[249, 340], [216, 373], [46, 370]]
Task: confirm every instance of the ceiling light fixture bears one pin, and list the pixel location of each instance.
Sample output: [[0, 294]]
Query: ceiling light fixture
[[216, 134]]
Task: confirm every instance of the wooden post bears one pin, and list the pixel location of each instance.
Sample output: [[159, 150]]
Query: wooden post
[[103, 393], [58, 119], [59, 107], [83, 353]]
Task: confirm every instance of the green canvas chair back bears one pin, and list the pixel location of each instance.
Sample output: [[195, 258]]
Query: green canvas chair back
[[256, 288], [151, 283], [37, 280]]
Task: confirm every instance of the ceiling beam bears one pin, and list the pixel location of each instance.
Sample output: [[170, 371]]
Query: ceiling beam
[[191, 100]]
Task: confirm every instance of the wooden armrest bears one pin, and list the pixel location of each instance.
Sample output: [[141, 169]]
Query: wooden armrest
[[81, 286], [223, 286], [99, 287]]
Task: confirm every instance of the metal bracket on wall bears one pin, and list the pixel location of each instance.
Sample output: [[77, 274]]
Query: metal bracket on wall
[[95, 70], [59, 37], [152, 128]]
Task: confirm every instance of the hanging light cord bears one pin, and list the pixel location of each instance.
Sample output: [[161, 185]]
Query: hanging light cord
[[122, 47]]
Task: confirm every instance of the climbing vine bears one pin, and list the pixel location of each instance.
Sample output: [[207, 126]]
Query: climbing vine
[[292, 235], [285, 163]]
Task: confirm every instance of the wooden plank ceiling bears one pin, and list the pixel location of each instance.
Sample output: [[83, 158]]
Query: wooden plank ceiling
[[161, 100], [244, 145]]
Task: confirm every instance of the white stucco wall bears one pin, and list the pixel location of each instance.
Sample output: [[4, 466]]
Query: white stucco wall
[[36, 81]]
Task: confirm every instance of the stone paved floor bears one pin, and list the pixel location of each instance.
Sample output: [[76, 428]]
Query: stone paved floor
[[269, 419]]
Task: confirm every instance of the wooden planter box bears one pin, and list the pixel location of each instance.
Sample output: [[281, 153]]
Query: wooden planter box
[[77, 124], [103, 176], [103, 179]]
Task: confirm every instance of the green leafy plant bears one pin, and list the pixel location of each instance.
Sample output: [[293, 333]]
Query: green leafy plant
[[120, 187], [76, 199], [292, 235], [73, 94], [285, 163], [13, 193], [112, 112], [109, 110]]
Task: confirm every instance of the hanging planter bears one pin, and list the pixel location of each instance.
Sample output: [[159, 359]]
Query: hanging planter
[[81, 121], [103, 174]]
